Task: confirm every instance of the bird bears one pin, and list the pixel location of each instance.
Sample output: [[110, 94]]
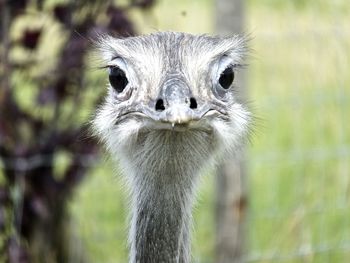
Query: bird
[[172, 110]]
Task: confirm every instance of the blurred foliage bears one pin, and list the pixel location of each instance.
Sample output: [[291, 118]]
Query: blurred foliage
[[45, 91]]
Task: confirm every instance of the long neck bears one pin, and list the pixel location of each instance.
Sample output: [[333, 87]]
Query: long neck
[[161, 219], [164, 169]]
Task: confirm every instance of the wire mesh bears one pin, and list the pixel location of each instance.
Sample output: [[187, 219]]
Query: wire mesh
[[299, 178]]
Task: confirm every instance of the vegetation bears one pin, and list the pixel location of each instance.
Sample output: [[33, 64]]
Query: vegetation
[[299, 160], [45, 150]]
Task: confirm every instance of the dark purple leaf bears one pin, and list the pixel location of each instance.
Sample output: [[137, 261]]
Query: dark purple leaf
[[73, 54], [61, 87], [46, 96], [4, 196], [2, 217], [51, 94], [144, 4], [17, 6], [119, 24], [30, 38], [16, 252], [62, 13], [39, 208]]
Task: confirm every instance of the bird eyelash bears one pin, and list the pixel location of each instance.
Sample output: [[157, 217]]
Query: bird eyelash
[[109, 66], [237, 66], [106, 66]]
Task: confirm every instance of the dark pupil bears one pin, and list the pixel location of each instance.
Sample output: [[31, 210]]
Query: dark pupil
[[226, 78], [117, 79]]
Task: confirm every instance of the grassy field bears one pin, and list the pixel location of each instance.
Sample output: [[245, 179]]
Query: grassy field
[[299, 158]]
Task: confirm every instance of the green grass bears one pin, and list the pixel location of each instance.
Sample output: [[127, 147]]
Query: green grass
[[299, 159], [99, 217]]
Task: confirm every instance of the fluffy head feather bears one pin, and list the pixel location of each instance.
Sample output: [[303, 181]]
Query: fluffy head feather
[[148, 62]]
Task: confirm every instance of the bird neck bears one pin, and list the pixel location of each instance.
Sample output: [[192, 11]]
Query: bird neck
[[161, 218], [163, 169]]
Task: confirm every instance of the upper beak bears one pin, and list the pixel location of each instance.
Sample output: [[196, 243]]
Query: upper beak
[[177, 113], [176, 105]]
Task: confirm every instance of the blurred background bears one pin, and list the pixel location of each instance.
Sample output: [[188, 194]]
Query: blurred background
[[61, 199]]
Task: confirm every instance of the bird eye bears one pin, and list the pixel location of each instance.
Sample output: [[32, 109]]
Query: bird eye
[[226, 78], [118, 79]]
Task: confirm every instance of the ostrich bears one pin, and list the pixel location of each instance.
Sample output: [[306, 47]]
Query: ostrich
[[171, 110]]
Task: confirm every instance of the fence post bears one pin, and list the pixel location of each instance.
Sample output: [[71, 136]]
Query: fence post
[[231, 190]]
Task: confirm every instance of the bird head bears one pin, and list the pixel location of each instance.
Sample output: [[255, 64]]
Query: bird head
[[172, 82]]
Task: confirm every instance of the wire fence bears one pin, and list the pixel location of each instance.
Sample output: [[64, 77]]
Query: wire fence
[[23, 164], [299, 180]]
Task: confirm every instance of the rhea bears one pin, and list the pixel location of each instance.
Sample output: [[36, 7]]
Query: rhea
[[172, 109]]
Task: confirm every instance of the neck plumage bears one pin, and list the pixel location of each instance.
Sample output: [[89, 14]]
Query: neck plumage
[[164, 168], [161, 218]]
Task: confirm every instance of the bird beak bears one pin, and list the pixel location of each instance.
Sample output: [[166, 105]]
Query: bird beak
[[175, 104], [175, 107], [175, 113]]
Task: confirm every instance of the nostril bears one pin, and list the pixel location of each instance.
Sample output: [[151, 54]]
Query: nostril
[[193, 103], [160, 105]]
